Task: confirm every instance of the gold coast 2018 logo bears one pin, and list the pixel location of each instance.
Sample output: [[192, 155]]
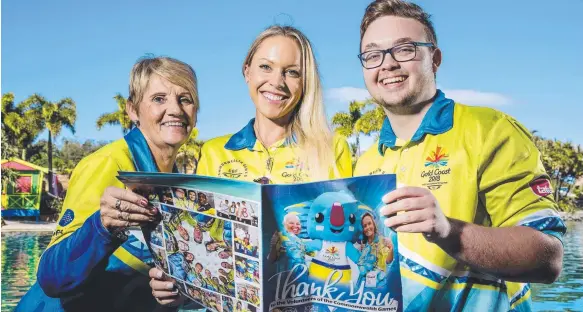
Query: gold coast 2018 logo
[[332, 254], [436, 164], [233, 169], [296, 171]]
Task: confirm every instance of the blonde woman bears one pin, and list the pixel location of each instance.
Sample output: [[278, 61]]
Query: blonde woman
[[289, 139]]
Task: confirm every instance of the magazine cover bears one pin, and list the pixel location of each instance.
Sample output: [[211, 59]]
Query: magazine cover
[[242, 246]]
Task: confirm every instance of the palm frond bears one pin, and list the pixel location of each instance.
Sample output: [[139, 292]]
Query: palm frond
[[371, 121], [8, 103], [111, 119], [343, 124]]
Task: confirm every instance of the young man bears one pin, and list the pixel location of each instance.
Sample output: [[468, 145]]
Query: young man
[[476, 217]]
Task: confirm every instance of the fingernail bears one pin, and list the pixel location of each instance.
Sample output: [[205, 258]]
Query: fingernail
[[169, 286], [159, 275], [144, 202]]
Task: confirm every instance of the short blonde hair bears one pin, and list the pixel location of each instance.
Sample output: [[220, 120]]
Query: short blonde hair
[[308, 124], [173, 70]]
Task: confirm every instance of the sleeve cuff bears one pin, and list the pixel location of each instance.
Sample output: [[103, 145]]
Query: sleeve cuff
[[100, 229], [556, 234], [552, 224]]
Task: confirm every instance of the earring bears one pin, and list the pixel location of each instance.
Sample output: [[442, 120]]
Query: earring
[[137, 123]]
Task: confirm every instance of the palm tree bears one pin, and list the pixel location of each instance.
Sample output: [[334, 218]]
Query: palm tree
[[189, 151], [371, 121], [359, 120], [53, 116], [119, 117], [345, 123], [576, 169], [561, 160], [570, 165], [19, 124]]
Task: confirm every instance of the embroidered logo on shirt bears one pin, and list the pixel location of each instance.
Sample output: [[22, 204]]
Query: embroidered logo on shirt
[[541, 187], [67, 218], [436, 161], [296, 172], [233, 169]]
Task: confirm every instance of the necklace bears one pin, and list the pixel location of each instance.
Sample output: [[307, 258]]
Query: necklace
[[258, 136], [269, 161]]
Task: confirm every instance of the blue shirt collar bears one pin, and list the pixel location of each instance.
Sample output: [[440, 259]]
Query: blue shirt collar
[[437, 120], [140, 151], [246, 138]]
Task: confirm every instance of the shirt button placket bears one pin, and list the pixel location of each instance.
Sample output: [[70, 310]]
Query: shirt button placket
[[401, 167]]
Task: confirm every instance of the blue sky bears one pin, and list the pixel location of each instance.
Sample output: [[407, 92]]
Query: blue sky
[[522, 57]]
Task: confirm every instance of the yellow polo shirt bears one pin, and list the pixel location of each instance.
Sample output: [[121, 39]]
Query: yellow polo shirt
[[483, 168], [242, 157], [90, 178]]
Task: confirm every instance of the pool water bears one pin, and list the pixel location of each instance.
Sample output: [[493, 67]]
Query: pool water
[[21, 253], [20, 256]]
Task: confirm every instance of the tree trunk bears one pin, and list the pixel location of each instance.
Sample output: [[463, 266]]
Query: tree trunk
[[357, 145], [558, 181], [50, 148], [559, 191], [23, 153]]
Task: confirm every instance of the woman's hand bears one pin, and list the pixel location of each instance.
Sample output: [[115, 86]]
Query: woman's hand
[[122, 208], [164, 289]]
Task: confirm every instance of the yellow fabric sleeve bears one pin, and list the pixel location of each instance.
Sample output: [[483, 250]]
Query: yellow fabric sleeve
[[509, 164], [88, 182]]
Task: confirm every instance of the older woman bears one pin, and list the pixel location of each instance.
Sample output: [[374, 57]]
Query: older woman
[[94, 263]]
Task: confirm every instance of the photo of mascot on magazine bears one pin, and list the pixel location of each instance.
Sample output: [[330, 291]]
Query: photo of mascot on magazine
[[330, 249]]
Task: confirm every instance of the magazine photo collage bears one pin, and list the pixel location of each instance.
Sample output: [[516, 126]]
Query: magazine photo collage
[[209, 243]]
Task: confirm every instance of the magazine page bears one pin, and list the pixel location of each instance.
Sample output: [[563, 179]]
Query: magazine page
[[208, 236], [326, 248]]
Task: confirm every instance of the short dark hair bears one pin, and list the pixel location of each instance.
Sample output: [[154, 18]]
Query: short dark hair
[[400, 8]]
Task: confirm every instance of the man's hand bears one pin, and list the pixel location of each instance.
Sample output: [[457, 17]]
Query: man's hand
[[415, 210], [514, 253]]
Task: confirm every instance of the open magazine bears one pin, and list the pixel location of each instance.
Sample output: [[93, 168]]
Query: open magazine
[[242, 246]]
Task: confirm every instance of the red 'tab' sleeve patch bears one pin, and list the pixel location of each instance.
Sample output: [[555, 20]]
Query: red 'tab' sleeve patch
[[541, 187]]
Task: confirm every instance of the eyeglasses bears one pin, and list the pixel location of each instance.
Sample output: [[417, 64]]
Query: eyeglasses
[[400, 53]]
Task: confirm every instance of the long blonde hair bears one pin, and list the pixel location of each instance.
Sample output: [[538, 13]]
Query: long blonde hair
[[308, 124]]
